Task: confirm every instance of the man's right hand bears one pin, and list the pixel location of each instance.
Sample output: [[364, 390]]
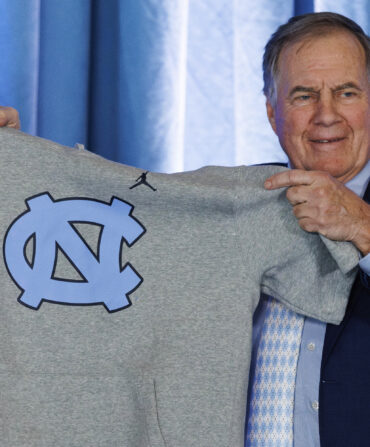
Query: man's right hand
[[9, 117], [323, 204]]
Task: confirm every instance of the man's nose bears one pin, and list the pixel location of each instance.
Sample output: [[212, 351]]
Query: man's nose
[[326, 113]]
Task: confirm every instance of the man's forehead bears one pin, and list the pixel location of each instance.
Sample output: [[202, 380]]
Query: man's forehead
[[342, 40], [308, 61]]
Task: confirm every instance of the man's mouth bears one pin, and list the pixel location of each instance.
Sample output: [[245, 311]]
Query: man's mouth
[[326, 140]]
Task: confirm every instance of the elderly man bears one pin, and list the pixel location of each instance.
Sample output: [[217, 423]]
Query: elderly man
[[317, 85]]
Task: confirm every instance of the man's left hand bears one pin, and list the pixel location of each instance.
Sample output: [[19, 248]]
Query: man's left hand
[[322, 204]]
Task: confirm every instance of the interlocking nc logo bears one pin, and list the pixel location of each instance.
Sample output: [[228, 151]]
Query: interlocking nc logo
[[50, 223]]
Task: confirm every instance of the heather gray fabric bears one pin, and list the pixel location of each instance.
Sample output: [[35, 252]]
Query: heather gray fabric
[[169, 370]]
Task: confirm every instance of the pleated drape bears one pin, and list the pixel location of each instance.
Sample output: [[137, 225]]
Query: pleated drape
[[164, 85]]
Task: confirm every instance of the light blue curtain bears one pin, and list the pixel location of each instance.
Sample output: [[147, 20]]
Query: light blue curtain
[[165, 85]]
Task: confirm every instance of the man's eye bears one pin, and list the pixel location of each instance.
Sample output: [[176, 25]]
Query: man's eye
[[303, 98], [348, 94]]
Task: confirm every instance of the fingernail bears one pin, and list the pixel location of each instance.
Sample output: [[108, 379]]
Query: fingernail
[[267, 184]]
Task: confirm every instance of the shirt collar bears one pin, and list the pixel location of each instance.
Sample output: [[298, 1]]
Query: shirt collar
[[359, 183]]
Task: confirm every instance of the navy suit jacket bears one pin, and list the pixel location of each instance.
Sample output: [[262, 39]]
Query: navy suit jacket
[[344, 413]]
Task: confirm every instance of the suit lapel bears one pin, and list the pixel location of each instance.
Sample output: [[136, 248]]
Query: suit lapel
[[367, 194], [333, 331]]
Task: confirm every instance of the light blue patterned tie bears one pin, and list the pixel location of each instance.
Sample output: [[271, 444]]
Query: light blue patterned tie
[[270, 422]]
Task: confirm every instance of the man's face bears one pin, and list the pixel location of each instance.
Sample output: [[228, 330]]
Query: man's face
[[322, 111]]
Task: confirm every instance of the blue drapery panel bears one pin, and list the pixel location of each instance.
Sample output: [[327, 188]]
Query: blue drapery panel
[[163, 85]]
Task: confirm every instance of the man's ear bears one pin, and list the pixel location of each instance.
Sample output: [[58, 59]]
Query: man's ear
[[271, 114]]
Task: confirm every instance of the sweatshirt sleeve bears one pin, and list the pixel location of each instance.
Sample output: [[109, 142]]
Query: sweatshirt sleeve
[[309, 273]]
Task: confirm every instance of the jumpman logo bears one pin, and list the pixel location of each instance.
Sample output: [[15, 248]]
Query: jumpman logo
[[141, 180]]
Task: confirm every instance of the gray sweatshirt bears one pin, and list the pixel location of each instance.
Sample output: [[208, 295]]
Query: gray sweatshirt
[[126, 311]]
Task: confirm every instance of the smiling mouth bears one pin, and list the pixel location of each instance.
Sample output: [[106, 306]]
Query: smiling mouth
[[329, 140]]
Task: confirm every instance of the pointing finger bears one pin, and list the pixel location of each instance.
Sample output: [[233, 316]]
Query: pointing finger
[[293, 177]]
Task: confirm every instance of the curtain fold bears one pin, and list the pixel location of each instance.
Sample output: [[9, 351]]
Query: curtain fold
[[19, 61], [167, 85], [64, 66], [152, 67]]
